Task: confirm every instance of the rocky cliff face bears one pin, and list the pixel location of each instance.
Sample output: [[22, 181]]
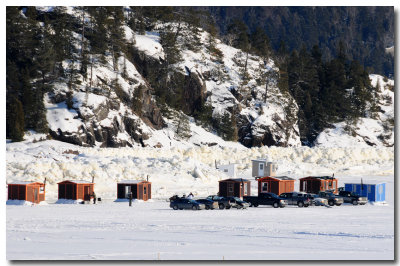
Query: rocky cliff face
[[104, 111], [236, 83], [103, 115]]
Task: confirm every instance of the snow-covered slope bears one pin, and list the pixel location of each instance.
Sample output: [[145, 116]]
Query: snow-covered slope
[[377, 131], [264, 112], [97, 110]]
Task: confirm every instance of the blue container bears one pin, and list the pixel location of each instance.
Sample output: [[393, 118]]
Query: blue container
[[374, 192]]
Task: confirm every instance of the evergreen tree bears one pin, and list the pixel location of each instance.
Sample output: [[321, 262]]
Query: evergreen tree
[[62, 37], [226, 127], [182, 126], [14, 119], [168, 40], [239, 32], [204, 115], [361, 88], [137, 103], [260, 43]]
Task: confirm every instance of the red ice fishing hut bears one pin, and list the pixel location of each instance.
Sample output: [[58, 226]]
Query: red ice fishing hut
[[315, 184], [275, 184], [234, 187], [75, 189], [26, 190]]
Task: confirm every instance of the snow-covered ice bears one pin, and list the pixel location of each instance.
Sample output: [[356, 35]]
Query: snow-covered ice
[[151, 230]]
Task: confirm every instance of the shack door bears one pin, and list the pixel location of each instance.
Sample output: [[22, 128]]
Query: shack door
[[260, 169], [86, 193], [230, 191], [145, 192], [35, 195]]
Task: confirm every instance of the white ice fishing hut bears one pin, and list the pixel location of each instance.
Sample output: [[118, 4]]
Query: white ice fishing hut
[[229, 169], [262, 168]]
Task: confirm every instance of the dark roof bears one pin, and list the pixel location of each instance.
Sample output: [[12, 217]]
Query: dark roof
[[276, 177], [24, 182], [132, 182], [235, 180], [75, 181], [320, 177], [283, 177]]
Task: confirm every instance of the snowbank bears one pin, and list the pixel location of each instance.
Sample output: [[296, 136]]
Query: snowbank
[[127, 200], [179, 170], [67, 201], [19, 202]]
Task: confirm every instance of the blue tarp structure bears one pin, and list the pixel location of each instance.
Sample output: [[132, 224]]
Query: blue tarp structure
[[374, 192]]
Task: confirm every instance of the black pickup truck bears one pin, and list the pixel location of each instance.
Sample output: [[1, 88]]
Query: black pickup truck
[[353, 198], [333, 199], [266, 199]]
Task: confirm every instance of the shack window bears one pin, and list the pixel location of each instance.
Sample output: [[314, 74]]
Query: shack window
[[245, 189], [230, 187], [144, 190], [261, 166], [264, 187], [226, 170], [41, 190]]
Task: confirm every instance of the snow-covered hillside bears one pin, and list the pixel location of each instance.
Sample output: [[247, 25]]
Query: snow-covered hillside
[[97, 110], [377, 131]]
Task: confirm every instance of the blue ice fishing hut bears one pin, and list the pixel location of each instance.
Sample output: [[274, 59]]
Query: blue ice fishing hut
[[374, 192]]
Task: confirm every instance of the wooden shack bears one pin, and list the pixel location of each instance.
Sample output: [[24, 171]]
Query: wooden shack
[[140, 189], [315, 184], [234, 187], [27, 190], [275, 184], [75, 190]]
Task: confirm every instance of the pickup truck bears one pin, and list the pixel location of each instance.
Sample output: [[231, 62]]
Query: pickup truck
[[300, 199], [265, 199], [351, 197], [332, 198]]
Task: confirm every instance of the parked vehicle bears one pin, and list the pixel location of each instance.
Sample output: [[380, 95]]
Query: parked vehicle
[[300, 199], [223, 203], [353, 198], [266, 199], [238, 203], [317, 200], [333, 199], [210, 204], [182, 203]]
